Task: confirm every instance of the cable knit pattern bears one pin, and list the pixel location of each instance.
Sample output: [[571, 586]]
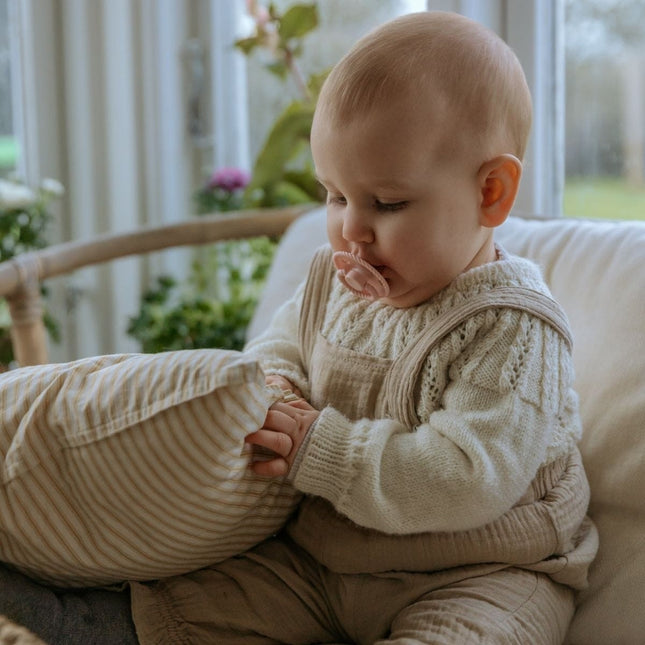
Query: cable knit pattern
[[501, 350], [494, 400]]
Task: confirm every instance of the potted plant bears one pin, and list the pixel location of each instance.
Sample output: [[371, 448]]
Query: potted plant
[[213, 307], [24, 218]]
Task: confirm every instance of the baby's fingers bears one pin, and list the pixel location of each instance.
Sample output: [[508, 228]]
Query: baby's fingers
[[273, 468], [276, 442], [279, 419]]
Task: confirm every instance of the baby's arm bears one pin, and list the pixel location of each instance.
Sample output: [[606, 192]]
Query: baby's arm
[[278, 351], [465, 465], [289, 420]]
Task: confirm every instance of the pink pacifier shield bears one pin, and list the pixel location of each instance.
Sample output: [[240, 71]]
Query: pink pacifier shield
[[359, 276]]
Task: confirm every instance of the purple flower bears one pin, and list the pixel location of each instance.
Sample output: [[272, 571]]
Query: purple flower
[[229, 179]]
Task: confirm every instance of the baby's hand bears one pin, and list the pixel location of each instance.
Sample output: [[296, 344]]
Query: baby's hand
[[283, 383], [285, 428]]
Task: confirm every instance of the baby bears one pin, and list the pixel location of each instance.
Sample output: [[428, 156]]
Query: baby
[[435, 433], [432, 423]]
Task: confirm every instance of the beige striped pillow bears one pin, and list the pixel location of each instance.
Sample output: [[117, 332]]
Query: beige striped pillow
[[133, 466]]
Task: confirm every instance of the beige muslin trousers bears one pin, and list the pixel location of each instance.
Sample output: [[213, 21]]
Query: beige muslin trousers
[[278, 593]]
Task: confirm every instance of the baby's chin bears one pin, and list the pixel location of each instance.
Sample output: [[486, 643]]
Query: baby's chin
[[402, 301], [401, 297]]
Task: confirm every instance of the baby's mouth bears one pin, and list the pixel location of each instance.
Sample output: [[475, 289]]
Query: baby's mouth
[[360, 277]]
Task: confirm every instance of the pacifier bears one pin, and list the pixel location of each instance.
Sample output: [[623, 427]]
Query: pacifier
[[360, 277]]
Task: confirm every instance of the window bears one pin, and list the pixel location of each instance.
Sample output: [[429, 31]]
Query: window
[[8, 144], [605, 109]]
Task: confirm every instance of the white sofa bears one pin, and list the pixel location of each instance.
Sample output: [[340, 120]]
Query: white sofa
[[597, 272]]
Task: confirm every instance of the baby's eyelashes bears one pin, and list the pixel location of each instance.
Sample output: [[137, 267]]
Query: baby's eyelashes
[[336, 199], [378, 204], [391, 206]]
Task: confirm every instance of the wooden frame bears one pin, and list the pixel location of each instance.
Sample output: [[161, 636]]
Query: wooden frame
[[20, 277]]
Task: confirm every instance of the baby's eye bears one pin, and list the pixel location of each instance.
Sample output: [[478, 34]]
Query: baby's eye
[[389, 207], [336, 199]]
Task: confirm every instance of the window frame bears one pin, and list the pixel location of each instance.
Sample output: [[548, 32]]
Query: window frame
[[535, 31]]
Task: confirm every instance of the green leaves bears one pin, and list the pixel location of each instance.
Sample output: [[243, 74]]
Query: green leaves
[[298, 21], [283, 170], [247, 45], [288, 137], [293, 25], [193, 323], [23, 228], [206, 312]]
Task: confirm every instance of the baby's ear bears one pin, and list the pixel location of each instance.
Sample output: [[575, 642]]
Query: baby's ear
[[499, 180]]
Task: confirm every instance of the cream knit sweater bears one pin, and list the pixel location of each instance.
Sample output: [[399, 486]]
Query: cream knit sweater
[[494, 398]]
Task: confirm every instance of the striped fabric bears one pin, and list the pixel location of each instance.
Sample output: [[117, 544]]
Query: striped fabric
[[133, 466]]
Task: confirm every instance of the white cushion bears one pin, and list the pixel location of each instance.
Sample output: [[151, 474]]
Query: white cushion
[[133, 466], [597, 272], [289, 266]]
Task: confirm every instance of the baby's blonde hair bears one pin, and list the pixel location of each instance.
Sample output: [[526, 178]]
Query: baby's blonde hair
[[445, 60]]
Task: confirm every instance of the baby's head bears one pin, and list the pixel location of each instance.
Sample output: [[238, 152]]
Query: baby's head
[[417, 137], [460, 75]]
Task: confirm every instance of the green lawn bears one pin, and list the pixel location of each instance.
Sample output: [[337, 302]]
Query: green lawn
[[8, 153], [604, 198]]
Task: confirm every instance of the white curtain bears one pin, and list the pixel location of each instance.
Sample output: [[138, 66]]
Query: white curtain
[[106, 91]]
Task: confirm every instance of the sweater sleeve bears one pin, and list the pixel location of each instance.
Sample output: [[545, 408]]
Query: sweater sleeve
[[277, 348], [469, 461]]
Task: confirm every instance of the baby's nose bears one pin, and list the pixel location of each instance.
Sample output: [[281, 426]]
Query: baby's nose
[[357, 226]]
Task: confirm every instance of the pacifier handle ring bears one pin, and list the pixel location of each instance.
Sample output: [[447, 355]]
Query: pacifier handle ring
[[345, 261]]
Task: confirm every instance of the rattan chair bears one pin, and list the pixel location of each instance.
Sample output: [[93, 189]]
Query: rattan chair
[[21, 277]]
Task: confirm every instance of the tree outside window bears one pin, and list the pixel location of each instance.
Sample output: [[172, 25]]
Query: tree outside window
[[605, 109]]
